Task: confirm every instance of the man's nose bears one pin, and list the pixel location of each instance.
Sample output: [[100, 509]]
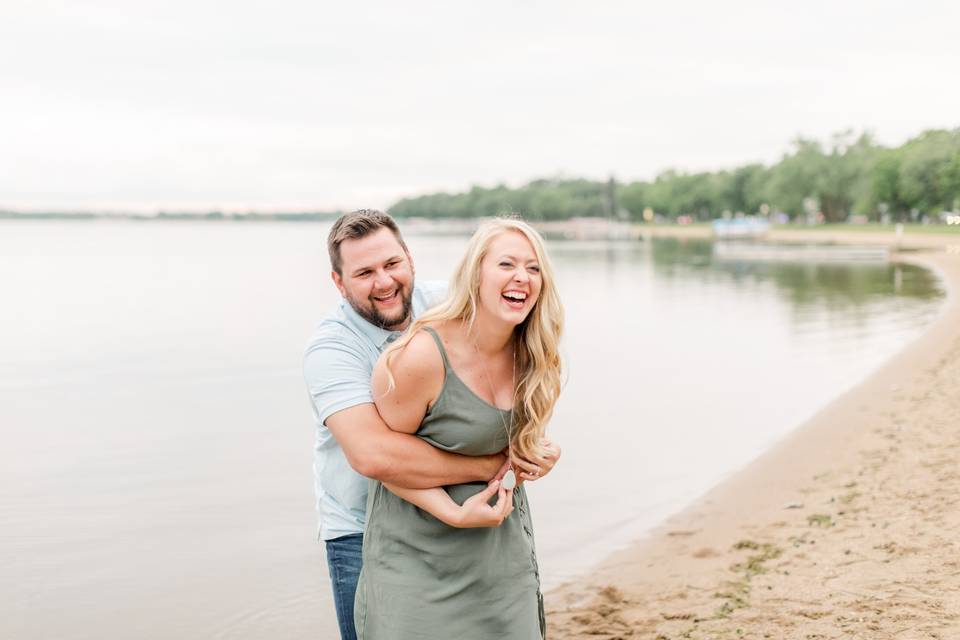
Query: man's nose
[[382, 280]]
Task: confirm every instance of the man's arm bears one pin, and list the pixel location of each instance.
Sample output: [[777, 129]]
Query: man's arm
[[337, 374], [375, 451]]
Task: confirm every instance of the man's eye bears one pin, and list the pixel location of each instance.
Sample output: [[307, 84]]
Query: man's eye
[[364, 274], [391, 265]]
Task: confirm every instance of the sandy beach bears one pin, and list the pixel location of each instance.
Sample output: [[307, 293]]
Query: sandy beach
[[847, 528]]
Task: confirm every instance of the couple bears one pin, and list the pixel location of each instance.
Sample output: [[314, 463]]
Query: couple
[[441, 400]]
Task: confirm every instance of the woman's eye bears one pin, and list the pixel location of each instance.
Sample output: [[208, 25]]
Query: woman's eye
[[506, 264], [534, 269]]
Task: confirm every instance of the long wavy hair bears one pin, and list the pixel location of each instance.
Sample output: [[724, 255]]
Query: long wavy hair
[[536, 339]]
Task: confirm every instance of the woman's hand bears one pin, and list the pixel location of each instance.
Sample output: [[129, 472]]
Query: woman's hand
[[475, 512], [541, 465]]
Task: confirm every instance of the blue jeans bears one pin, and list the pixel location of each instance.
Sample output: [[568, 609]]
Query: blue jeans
[[344, 559]]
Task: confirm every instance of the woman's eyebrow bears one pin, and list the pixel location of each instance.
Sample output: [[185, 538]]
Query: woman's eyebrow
[[514, 258]]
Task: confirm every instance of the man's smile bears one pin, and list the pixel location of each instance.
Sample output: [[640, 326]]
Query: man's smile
[[387, 298]]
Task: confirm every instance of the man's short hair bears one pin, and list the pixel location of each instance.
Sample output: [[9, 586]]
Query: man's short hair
[[358, 224]]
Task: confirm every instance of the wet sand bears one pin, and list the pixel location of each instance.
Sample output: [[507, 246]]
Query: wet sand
[[848, 528]]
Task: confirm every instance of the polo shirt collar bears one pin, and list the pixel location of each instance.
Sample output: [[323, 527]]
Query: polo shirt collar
[[378, 336]]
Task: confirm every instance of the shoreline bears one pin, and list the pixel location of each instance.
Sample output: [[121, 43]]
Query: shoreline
[[844, 528], [912, 239]]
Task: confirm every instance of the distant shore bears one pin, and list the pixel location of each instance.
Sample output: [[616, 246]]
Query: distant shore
[[846, 528], [914, 236], [574, 227], [172, 216]]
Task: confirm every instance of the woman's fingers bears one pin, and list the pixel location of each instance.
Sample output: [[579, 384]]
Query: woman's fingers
[[548, 460], [478, 512], [526, 468], [490, 489], [481, 498], [504, 504]]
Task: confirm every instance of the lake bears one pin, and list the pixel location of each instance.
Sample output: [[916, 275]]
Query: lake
[[156, 473]]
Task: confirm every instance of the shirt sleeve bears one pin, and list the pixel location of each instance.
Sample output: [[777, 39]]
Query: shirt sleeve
[[337, 375]]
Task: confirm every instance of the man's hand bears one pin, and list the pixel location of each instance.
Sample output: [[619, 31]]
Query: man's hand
[[539, 466], [475, 512]]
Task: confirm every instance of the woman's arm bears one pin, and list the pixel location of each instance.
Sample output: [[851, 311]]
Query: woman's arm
[[418, 374], [475, 512]]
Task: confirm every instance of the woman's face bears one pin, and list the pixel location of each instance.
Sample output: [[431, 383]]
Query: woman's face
[[510, 279]]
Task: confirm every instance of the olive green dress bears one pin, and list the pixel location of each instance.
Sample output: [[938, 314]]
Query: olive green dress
[[426, 580]]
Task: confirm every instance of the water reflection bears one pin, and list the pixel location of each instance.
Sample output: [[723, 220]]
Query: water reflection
[[834, 286]]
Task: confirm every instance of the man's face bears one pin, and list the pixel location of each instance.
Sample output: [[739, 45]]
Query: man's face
[[377, 279]]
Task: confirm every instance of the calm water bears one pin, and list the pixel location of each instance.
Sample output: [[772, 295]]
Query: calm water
[[155, 479]]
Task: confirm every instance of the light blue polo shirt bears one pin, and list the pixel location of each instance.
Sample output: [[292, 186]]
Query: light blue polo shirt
[[337, 367]]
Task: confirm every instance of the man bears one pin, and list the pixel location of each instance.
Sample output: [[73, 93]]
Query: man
[[373, 270]]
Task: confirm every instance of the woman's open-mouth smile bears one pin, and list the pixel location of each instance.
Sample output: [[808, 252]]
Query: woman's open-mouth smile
[[514, 299]]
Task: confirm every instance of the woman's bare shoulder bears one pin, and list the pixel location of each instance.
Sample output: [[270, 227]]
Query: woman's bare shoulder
[[405, 391], [450, 333], [420, 355], [417, 363]]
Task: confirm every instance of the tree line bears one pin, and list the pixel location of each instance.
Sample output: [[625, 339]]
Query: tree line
[[850, 175]]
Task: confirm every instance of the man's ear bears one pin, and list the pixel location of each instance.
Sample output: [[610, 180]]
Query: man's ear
[[338, 283]]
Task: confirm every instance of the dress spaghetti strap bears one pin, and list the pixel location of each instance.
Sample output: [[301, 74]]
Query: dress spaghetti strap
[[443, 352]]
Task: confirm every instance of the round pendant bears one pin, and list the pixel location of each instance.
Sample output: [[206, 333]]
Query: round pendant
[[509, 481]]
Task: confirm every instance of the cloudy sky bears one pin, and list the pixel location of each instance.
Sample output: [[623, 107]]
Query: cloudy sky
[[110, 104]]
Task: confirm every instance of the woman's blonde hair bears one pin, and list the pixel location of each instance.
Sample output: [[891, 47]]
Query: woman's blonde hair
[[537, 338]]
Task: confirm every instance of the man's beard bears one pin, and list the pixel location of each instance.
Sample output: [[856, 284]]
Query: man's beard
[[369, 311]]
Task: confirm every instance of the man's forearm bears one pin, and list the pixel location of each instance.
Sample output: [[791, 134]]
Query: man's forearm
[[409, 462], [403, 459]]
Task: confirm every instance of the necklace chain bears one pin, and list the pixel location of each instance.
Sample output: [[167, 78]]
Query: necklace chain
[[507, 428]]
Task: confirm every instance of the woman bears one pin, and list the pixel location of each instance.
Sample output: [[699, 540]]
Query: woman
[[475, 375]]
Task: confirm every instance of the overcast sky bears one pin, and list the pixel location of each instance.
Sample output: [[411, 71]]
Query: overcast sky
[[317, 105]]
